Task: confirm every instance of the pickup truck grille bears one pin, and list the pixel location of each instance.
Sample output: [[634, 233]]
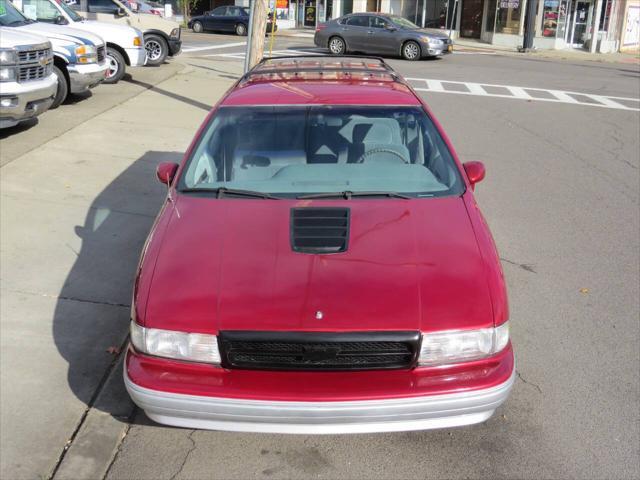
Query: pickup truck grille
[[101, 53], [32, 56], [33, 73], [34, 64], [318, 350]]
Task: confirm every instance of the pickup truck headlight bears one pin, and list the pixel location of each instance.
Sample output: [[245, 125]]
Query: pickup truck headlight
[[8, 57], [8, 74], [175, 33], [87, 54], [191, 347], [439, 348]]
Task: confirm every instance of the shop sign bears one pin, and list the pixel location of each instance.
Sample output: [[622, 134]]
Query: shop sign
[[509, 4]]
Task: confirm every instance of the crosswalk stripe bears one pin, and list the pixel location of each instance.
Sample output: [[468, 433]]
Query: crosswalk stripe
[[212, 47], [522, 93]]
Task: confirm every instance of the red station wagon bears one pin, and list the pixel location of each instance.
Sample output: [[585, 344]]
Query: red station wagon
[[320, 265]]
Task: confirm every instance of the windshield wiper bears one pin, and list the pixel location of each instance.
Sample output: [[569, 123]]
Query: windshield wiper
[[235, 192], [348, 194]]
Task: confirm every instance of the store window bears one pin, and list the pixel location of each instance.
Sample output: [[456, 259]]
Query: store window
[[508, 16], [554, 18], [605, 15], [282, 9], [435, 13]]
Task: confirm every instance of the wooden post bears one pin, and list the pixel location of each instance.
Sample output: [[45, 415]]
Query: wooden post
[[258, 32]]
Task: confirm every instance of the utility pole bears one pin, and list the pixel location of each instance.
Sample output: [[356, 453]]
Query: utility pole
[[256, 34], [529, 25]]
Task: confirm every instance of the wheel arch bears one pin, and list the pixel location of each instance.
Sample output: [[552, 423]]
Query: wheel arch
[[121, 51], [407, 40], [61, 62]]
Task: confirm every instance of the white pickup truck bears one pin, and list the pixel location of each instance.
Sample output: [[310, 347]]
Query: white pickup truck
[[27, 82], [125, 45], [79, 58]]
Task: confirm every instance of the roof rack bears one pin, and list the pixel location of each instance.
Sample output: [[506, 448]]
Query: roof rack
[[299, 66]]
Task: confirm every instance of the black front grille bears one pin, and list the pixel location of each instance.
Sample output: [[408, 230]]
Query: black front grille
[[101, 53], [318, 350], [319, 230]]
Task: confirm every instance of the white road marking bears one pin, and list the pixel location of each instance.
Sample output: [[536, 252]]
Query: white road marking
[[274, 53], [523, 93], [213, 47]]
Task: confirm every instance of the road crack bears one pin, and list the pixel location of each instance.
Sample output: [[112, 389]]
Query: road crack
[[525, 266], [186, 457], [528, 383]]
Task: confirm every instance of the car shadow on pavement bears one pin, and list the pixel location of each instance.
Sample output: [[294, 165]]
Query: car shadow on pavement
[[91, 319]]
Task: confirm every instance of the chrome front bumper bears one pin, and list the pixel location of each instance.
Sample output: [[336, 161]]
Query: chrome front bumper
[[239, 415], [84, 77], [29, 100]]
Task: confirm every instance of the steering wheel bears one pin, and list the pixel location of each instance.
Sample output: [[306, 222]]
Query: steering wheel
[[381, 150]]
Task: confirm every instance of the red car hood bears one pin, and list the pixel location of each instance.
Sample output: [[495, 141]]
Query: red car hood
[[228, 265]]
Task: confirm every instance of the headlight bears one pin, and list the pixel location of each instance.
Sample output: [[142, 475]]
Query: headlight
[[8, 57], [175, 33], [436, 41], [440, 348], [87, 54], [192, 347], [137, 42], [7, 74]]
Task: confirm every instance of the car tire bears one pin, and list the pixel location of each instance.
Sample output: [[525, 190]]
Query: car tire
[[157, 49], [197, 27], [63, 88], [411, 51], [337, 46], [117, 66], [241, 29]]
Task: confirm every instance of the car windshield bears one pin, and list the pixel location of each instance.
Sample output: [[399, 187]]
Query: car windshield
[[295, 151], [403, 22], [69, 11], [10, 16]]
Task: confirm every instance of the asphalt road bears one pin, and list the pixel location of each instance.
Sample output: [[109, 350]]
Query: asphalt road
[[561, 196]]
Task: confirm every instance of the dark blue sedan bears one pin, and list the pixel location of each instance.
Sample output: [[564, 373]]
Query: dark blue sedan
[[226, 19]]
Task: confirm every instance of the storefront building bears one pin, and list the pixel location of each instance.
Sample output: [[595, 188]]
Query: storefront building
[[559, 23]]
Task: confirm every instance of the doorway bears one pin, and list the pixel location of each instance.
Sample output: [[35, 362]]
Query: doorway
[[580, 16], [471, 18]]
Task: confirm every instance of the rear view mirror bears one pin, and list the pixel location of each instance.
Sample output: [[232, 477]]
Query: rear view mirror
[[475, 172], [166, 171]]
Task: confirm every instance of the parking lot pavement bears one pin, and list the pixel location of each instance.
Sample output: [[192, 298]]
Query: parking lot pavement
[[75, 211], [561, 196]]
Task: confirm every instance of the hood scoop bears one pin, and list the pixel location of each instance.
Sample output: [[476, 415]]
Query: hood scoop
[[320, 230]]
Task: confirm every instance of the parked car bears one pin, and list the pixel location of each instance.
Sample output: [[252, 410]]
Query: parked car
[[79, 58], [125, 45], [161, 35], [381, 35], [27, 82], [320, 265], [227, 19]]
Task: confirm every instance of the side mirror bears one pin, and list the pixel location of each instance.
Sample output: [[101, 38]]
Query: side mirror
[[166, 171], [60, 20], [120, 12], [475, 172], [391, 28]]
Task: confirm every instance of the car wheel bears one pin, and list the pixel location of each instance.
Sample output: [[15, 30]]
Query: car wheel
[[157, 49], [411, 50], [117, 66], [337, 46], [241, 29], [197, 27], [63, 88]]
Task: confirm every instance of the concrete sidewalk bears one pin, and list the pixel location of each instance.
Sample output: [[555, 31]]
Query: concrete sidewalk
[[74, 214]]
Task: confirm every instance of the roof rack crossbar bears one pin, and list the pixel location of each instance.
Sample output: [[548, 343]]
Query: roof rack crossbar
[[262, 68]]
